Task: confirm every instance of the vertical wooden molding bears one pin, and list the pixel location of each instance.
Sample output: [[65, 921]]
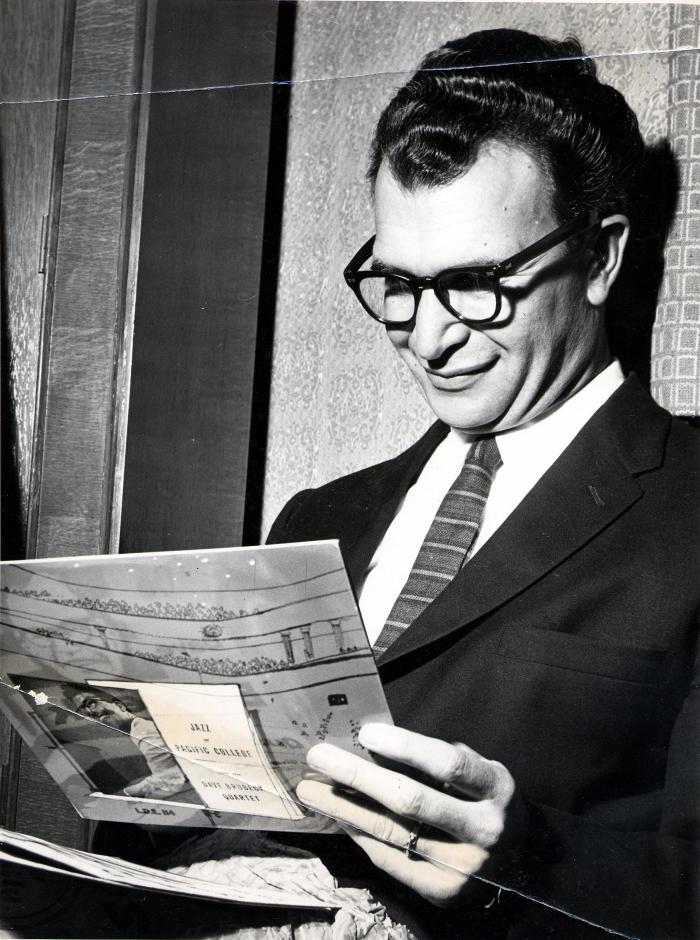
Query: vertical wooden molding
[[34, 74], [37, 75], [84, 345], [132, 229], [52, 223], [85, 353]]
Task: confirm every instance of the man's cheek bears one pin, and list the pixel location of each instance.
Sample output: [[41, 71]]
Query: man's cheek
[[398, 338]]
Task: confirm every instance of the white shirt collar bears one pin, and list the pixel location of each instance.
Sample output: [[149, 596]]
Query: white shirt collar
[[527, 453], [544, 438]]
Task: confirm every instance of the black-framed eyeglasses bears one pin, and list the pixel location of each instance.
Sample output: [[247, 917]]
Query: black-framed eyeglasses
[[472, 294]]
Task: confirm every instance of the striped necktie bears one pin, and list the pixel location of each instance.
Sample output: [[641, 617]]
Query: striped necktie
[[447, 544]]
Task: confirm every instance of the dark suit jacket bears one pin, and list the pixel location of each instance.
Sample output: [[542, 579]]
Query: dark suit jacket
[[565, 649]]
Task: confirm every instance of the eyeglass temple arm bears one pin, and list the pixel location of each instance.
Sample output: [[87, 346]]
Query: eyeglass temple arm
[[577, 226], [359, 258]]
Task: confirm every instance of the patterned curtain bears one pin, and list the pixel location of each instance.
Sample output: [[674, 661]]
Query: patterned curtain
[[340, 396]]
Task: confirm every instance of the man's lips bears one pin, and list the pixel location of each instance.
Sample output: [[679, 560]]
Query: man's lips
[[447, 378]]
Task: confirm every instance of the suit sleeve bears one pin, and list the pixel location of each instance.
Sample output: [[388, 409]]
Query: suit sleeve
[[284, 528]]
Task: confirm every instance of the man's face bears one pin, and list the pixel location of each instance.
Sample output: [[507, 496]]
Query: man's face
[[109, 712], [547, 340]]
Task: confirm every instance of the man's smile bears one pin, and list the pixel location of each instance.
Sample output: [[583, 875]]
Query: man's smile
[[456, 378]]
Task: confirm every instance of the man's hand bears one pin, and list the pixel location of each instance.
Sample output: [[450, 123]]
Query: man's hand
[[460, 817]]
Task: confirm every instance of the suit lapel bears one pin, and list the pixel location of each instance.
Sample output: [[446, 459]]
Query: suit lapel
[[588, 487], [370, 515]]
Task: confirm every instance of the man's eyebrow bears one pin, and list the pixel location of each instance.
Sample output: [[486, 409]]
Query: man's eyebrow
[[379, 267]]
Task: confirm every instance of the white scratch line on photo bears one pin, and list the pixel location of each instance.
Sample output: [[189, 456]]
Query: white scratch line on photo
[[332, 78]]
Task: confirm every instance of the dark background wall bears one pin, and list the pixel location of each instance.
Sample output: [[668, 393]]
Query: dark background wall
[[206, 274]]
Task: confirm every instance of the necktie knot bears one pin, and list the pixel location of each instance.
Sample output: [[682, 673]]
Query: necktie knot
[[449, 540], [485, 454]]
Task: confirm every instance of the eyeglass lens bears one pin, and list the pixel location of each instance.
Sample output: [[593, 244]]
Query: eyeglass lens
[[392, 299]]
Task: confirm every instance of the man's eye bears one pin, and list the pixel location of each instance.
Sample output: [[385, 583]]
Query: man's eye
[[394, 287], [467, 282]]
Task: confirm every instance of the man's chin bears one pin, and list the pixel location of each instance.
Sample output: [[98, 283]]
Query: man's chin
[[464, 415]]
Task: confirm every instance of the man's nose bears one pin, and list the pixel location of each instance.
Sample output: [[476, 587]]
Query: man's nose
[[435, 330]]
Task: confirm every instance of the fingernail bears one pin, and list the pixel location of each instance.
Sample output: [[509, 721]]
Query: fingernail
[[312, 775]]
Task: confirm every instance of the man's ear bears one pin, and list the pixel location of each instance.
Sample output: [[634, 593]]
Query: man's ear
[[607, 260]]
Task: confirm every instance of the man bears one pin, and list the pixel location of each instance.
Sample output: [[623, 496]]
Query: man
[[528, 570], [165, 777]]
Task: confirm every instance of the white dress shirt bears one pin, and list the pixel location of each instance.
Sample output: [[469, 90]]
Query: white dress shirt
[[527, 452]]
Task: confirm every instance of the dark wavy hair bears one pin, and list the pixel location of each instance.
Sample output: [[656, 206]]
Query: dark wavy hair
[[518, 88]]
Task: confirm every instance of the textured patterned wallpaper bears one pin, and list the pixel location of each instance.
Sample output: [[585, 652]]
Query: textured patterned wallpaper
[[676, 338], [340, 397]]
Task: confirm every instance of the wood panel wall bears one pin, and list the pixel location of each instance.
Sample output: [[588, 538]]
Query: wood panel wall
[[172, 222], [30, 76], [71, 148], [70, 511]]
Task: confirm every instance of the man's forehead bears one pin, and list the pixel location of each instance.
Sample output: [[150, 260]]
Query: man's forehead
[[503, 176], [498, 206]]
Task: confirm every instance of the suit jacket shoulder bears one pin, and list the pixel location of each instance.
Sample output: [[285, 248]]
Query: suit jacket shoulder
[[660, 451], [356, 508]]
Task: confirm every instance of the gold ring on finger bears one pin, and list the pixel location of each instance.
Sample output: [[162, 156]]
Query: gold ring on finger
[[412, 841]]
